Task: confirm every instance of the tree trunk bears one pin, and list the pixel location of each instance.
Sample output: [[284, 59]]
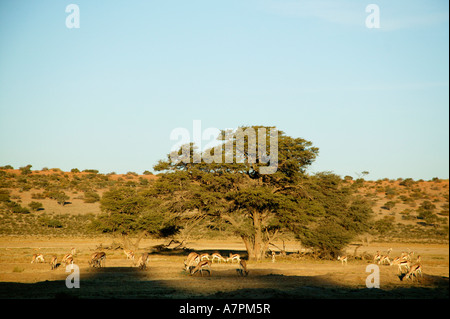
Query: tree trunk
[[257, 247], [128, 244], [249, 246]]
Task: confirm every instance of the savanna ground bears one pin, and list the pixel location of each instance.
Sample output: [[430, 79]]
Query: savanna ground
[[288, 277], [399, 207]]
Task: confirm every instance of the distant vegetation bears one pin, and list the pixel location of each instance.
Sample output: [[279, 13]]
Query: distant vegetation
[[323, 211]]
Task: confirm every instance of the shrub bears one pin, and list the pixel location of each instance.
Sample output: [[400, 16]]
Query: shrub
[[92, 171], [91, 197], [26, 170], [35, 206], [427, 205], [429, 217], [388, 205], [59, 196], [4, 195], [384, 225], [50, 222], [407, 182], [16, 208]]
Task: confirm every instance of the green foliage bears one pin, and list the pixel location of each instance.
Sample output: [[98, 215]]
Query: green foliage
[[428, 216], [15, 208], [384, 225], [26, 170], [389, 205], [91, 197], [340, 216], [261, 207], [128, 211], [50, 222], [58, 195], [427, 205], [92, 171], [408, 182], [328, 238], [4, 195], [35, 206]]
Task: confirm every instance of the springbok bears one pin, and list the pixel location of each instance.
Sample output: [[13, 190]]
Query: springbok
[[343, 259], [129, 254], [143, 261], [54, 262], [218, 257], [242, 270], [98, 259], [39, 258], [202, 266], [415, 271], [234, 257], [191, 260]]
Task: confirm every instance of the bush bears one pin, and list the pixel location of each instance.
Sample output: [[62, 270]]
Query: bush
[[92, 171], [4, 195], [429, 217], [427, 205], [59, 196], [35, 206], [26, 170], [50, 222], [407, 182], [384, 225], [328, 239], [16, 208], [388, 205], [91, 197]]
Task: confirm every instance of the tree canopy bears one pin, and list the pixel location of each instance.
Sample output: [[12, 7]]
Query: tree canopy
[[319, 209]]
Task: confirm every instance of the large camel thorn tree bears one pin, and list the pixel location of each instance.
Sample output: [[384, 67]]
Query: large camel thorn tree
[[226, 182]]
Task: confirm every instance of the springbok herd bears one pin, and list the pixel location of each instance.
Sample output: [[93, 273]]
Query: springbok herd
[[201, 263], [406, 269], [194, 263]]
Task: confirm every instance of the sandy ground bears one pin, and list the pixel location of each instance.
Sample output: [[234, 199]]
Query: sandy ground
[[165, 278]]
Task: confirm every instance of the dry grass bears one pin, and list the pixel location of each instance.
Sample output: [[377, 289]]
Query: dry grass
[[164, 278]]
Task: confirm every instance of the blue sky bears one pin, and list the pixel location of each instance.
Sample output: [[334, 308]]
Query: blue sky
[[107, 95]]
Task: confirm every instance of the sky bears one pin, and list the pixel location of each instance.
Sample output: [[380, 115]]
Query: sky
[[107, 95]]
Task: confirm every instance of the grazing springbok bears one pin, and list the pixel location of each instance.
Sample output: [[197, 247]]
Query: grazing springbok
[[143, 261], [98, 259], [202, 266], [129, 254], [343, 259], [384, 260], [65, 257], [234, 258], [54, 262], [242, 270], [191, 260], [218, 257], [204, 256], [38, 258], [377, 257], [69, 260], [402, 263], [414, 272]]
